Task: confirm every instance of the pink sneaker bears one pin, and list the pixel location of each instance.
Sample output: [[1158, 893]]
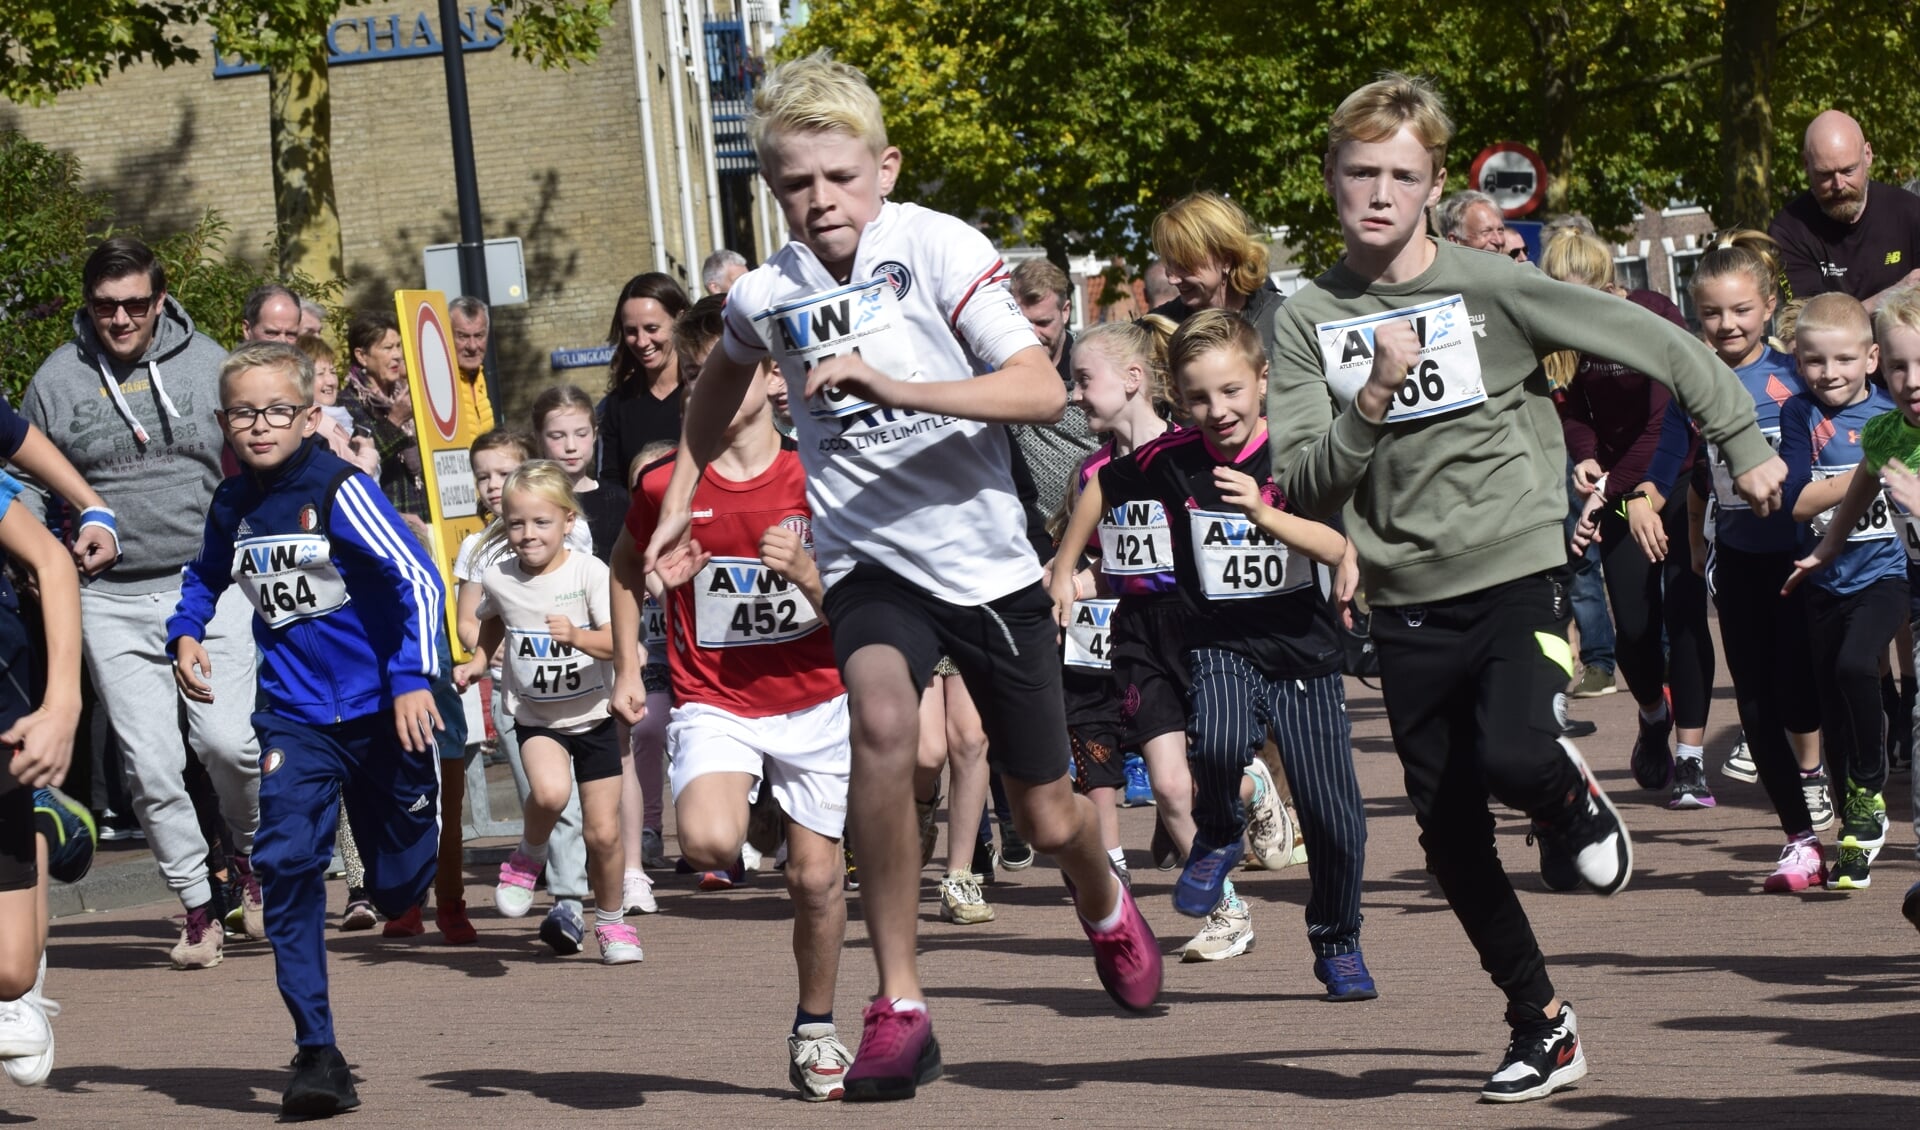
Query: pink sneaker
[[1128, 957], [1801, 865], [514, 896], [619, 944], [897, 1054]]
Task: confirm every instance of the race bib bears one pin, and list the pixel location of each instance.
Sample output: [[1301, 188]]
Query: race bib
[[863, 318], [546, 670], [1135, 540], [1445, 379], [738, 602], [1875, 525], [1723, 492], [289, 578], [653, 630], [1909, 530], [1090, 634], [1238, 560]]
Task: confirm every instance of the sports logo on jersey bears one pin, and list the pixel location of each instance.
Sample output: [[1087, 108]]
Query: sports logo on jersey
[[309, 518], [271, 760], [245, 531], [1893, 257], [897, 276], [802, 525]]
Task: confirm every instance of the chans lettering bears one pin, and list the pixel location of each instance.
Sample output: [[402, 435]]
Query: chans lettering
[[374, 39]]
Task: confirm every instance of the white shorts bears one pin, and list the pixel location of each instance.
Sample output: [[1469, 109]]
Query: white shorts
[[804, 755]]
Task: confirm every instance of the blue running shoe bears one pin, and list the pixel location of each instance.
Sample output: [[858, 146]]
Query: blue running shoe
[[1345, 977], [71, 835], [1202, 884], [563, 929], [1139, 792]]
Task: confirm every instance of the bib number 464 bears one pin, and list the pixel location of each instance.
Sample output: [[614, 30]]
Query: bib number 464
[[287, 597]]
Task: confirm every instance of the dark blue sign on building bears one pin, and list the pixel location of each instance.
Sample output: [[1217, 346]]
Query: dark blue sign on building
[[589, 357], [373, 39]]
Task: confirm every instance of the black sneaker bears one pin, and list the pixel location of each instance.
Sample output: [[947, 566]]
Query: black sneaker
[[322, 1086], [1910, 906], [983, 860], [1543, 1057], [1652, 759], [1588, 831], [1166, 854], [1016, 854], [1557, 869], [1690, 784]]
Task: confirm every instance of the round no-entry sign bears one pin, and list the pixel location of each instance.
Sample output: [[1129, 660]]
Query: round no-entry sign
[[1513, 175]]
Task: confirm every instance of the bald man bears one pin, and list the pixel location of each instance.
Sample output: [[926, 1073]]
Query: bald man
[[1848, 233]]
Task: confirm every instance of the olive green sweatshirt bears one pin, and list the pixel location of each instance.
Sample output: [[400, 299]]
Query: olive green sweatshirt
[[1465, 485]]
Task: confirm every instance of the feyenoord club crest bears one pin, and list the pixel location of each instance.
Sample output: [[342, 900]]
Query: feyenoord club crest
[[309, 518]]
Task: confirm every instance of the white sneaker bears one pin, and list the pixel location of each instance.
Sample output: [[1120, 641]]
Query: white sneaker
[[636, 892], [619, 944], [961, 901], [1269, 827], [819, 1063], [1228, 933], [26, 1037], [750, 857]]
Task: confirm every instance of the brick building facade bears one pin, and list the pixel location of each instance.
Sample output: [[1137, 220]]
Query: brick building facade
[[561, 157]]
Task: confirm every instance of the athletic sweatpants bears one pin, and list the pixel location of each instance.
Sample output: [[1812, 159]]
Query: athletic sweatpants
[[1850, 634], [396, 800], [1235, 705], [1469, 686], [566, 847], [1655, 600], [1771, 662], [125, 647]]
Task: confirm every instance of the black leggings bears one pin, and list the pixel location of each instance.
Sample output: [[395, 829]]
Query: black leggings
[[1649, 598], [1850, 634], [1771, 662]]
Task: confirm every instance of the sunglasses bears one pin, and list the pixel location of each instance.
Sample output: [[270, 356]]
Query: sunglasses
[[103, 308]]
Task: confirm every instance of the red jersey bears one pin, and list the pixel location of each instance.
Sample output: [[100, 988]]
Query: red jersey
[[745, 639]]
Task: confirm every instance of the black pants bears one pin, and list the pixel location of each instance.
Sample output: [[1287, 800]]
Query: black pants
[[1850, 633], [1771, 662], [1650, 599], [1469, 686]]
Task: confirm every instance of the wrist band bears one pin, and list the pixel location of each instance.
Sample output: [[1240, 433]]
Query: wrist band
[[103, 517]]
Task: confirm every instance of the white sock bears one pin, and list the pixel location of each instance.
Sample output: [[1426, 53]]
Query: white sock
[[1107, 924], [902, 1004], [537, 854], [605, 917], [1687, 752], [1655, 716]]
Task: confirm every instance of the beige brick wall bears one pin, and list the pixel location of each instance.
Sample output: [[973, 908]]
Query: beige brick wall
[[558, 155]]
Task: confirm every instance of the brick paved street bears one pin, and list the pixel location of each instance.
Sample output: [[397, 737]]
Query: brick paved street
[[1701, 1001]]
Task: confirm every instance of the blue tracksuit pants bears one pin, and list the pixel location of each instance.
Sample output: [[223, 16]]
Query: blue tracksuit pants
[[395, 797]]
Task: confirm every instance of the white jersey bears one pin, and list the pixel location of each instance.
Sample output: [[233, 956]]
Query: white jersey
[[929, 498]]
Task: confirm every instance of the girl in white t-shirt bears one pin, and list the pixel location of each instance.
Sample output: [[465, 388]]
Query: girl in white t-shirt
[[547, 604]]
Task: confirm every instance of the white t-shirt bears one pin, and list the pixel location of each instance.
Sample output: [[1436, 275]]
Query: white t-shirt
[[468, 568], [549, 684], [930, 498]]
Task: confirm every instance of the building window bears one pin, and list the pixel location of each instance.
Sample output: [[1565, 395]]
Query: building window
[[1630, 273], [1680, 268]]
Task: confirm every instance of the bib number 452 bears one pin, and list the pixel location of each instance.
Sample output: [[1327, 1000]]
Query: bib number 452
[[765, 617]]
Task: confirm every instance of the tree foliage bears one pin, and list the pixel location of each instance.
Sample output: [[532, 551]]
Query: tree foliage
[[48, 47], [1067, 123]]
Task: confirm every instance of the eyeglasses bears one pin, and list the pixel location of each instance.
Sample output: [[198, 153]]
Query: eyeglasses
[[103, 308], [278, 416]]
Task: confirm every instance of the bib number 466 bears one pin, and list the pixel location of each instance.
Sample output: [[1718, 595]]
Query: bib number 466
[[1423, 385]]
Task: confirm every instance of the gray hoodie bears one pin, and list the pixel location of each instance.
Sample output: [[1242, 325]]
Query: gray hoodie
[[161, 486]]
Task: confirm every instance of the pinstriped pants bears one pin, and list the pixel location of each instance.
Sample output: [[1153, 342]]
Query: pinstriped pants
[[1234, 707]]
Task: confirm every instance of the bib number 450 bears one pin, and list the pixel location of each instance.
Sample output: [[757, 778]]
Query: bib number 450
[[1255, 571]]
